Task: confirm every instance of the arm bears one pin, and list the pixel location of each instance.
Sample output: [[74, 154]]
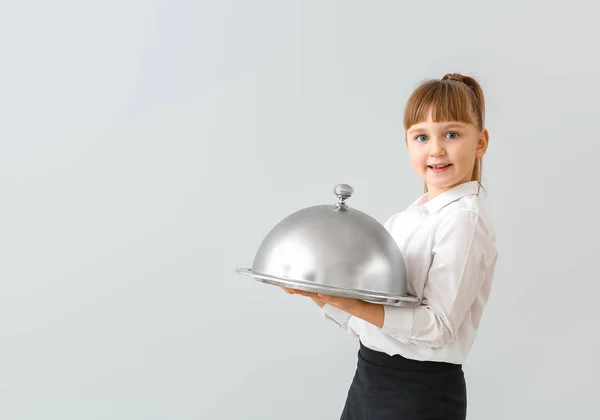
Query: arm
[[463, 252], [462, 255]]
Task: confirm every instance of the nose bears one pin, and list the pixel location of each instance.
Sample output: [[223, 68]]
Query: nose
[[436, 147]]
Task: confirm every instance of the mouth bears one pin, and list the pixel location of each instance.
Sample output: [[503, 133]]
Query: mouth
[[443, 166]]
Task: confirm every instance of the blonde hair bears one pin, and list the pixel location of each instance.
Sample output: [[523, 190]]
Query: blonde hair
[[454, 97]]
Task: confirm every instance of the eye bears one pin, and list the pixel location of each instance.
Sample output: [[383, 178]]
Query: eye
[[421, 138], [452, 135]]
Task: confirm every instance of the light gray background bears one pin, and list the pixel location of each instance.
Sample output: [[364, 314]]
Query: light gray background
[[148, 146]]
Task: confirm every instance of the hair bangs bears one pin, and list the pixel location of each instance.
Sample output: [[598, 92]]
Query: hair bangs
[[443, 101]]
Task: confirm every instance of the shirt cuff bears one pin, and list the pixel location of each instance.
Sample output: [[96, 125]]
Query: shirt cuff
[[336, 315], [398, 322]]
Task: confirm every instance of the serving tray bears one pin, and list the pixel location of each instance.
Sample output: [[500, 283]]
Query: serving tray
[[372, 297]]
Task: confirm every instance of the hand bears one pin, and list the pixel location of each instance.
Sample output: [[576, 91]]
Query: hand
[[352, 306], [345, 304], [311, 295], [370, 312]]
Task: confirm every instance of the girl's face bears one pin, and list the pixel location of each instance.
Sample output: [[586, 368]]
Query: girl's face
[[443, 154]]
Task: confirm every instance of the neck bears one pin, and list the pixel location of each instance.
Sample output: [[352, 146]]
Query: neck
[[433, 192]]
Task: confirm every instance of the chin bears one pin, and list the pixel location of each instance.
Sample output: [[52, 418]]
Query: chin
[[442, 185]]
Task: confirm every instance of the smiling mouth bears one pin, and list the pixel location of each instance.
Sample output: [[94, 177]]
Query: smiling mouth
[[439, 166]]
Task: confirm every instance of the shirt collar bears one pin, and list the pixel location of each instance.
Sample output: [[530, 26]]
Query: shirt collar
[[445, 198]]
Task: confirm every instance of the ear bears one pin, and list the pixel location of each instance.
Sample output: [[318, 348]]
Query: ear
[[482, 143]]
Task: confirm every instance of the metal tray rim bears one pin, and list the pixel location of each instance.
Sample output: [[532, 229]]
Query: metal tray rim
[[373, 297]]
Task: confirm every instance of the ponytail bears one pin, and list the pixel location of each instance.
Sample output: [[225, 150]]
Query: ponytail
[[478, 100]]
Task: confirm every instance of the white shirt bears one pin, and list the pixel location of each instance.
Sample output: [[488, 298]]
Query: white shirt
[[449, 249]]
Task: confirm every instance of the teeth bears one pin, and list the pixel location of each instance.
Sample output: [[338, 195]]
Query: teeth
[[439, 166]]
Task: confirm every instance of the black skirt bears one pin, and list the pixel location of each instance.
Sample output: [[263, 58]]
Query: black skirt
[[396, 388]]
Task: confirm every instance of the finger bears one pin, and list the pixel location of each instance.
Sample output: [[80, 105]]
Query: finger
[[296, 291], [304, 293], [329, 298]]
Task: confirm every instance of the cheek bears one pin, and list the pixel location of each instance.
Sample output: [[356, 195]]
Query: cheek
[[414, 151], [417, 158], [464, 155]]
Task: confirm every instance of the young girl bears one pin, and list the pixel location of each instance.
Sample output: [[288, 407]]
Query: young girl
[[410, 359]]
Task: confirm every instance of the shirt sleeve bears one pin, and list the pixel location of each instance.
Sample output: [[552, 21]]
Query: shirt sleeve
[[461, 254], [336, 315]]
